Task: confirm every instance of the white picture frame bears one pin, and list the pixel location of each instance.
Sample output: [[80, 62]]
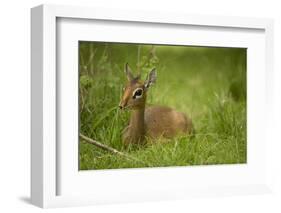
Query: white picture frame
[[50, 188]]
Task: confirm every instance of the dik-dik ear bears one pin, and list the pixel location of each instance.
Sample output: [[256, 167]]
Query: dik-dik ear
[[128, 72], [150, 79]]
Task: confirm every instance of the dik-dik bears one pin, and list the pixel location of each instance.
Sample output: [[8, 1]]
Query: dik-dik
[[149, 121]]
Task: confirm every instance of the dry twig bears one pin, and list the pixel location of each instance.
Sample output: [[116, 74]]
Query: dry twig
[[110, 149]]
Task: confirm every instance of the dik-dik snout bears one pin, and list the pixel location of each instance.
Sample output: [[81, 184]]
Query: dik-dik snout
[[134, 93]]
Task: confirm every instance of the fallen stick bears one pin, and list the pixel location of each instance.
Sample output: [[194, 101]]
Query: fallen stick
[[110, 149]]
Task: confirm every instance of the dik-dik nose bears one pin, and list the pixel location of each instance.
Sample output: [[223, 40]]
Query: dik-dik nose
[[121, 105]]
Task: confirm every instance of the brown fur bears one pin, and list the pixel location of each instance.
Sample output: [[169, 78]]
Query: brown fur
[[154, 121]]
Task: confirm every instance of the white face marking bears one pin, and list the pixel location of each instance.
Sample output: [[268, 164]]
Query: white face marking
[[137, 93]]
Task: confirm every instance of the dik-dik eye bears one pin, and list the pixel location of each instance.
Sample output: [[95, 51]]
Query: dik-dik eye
[[137, 93]]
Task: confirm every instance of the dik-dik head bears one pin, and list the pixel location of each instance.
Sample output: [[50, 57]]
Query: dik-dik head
[[134, 94]]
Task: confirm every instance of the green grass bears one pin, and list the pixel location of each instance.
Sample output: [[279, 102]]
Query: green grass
[[208, 84]]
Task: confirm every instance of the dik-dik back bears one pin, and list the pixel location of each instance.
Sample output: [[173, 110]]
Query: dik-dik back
[[166, 122], [153, 121]]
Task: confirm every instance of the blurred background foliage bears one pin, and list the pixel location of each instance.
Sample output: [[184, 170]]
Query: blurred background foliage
[[207, 83]]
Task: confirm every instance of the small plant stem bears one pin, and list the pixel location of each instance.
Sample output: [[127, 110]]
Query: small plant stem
[[138, 60]]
